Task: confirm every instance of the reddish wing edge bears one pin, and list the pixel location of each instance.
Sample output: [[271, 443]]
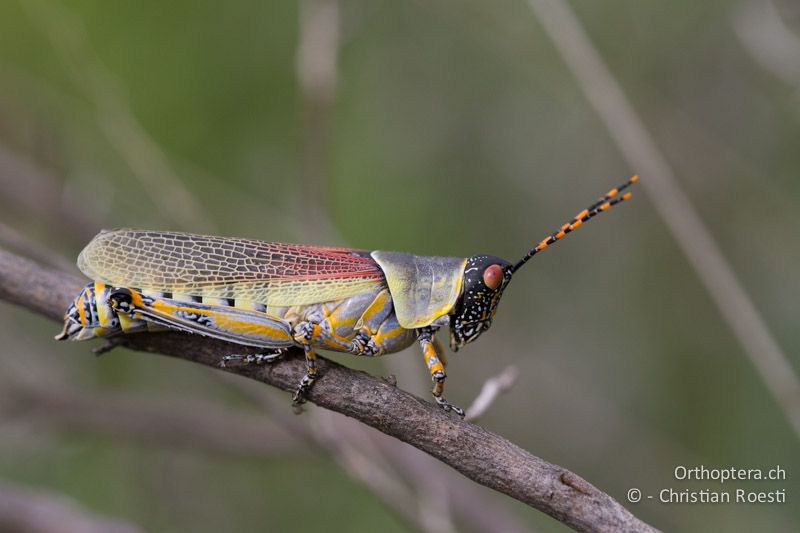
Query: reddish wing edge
[[309, 262]]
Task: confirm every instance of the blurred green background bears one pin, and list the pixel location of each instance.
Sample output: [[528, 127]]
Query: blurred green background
[[454, 128]]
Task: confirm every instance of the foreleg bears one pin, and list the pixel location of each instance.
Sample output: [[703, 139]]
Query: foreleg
[[433, 359]]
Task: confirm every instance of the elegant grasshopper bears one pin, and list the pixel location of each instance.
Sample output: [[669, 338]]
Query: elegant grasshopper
[[275, 296]]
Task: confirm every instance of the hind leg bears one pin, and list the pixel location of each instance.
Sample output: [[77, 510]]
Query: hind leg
[[269, 356]]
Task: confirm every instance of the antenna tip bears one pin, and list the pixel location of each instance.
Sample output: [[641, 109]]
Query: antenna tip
[[634, 179]]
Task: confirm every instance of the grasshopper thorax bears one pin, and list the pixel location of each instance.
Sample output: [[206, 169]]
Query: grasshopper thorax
[[485, 278]]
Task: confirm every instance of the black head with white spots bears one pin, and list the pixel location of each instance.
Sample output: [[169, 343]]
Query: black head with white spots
[[485, 278]]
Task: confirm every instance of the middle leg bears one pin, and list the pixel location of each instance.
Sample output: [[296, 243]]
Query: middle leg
[[308, 380], [305, 334]]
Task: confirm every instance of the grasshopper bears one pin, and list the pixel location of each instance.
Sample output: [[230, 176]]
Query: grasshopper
[[276, 296]]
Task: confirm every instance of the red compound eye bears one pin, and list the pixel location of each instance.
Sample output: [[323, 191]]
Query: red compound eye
[[493, 276]]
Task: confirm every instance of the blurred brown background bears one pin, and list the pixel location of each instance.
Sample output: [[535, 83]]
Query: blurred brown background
[[445, 128]]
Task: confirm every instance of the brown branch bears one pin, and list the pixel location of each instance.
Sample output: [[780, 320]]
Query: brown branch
[[480, 455]]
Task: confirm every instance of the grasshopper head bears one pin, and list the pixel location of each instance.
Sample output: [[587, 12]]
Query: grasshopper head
[[485, 278]]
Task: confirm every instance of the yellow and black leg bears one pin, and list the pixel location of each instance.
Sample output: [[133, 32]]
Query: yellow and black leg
[[308, 380], [304, 334], [435, 362]]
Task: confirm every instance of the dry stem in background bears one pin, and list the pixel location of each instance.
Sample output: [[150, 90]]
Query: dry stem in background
[[691, 234]]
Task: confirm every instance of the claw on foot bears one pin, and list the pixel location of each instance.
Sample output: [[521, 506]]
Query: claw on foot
[[447, 406], [299, 397]]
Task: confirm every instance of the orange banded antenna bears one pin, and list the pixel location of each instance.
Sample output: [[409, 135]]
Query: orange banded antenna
[[610, 199]]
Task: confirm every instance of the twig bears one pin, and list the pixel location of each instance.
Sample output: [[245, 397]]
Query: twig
[[673, 205], [26, 510], [769, 41], [493, 388], [482, 456]]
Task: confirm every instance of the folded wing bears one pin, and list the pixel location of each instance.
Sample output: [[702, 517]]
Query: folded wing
[[268, 273]]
